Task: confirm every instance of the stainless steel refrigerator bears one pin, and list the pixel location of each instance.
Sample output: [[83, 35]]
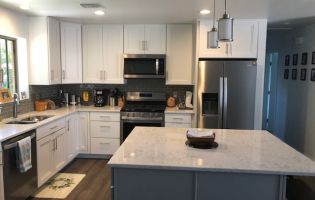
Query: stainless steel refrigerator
[[226, 94]]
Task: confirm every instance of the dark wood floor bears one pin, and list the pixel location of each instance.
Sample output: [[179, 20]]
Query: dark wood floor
[[96, 183]]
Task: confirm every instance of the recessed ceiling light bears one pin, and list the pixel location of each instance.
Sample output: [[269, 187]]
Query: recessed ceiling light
[[24, 7], [205, 12], [99, 12]]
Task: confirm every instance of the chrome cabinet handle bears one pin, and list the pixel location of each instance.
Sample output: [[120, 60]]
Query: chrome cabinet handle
[[225, 102], [104, 126], [104, 74], [157, 66], [146, 45], [52, 75], [53, 127], [101, 74], [68, 125], [63, 74], [220, 103], [143, 45]]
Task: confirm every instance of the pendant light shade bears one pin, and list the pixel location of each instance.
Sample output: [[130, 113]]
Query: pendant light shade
[[212, 39], [225, 27], [212, 35]]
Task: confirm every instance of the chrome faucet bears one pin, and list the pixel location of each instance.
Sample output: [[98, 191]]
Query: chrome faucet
[[16, 102]]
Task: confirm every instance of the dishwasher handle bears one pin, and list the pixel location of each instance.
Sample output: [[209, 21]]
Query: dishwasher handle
[[14, 144]]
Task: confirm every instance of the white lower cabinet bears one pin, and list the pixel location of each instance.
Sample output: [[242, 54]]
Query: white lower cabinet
[[71, 136], [83, 132], [50, 155], [104, 145], [105, 132], [178, 120]]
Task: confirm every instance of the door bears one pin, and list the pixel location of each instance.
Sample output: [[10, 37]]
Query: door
[[71, 58], [71, 137], [210, 94], [179, 54], [83, 132], [113, 47], [134, 39], [155, 39], [245, 39], [54, 50], [240, 88], [92, 37], [58, 155], [44, 159], [204, 52]]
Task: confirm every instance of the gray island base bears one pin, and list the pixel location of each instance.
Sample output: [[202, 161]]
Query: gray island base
[[155, 164]]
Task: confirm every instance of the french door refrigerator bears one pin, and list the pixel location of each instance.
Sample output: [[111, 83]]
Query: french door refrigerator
[[226, 94]]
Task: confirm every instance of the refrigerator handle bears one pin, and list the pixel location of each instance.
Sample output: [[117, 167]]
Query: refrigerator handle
[[225, 99], [220, 103]]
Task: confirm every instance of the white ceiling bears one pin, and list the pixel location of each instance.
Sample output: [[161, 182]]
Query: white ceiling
[[166, 11]]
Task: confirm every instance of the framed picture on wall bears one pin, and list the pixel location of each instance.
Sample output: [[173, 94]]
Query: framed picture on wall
[[286, 74], [294, 74], [287, 60], [303, 74], [295, 59], [313, 57], [304, 59], [313, 74]]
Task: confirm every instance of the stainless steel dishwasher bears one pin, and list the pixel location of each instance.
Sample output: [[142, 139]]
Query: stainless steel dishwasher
[[17, 185]]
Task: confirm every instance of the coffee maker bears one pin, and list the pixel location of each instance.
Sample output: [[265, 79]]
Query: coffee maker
[[100, 98]]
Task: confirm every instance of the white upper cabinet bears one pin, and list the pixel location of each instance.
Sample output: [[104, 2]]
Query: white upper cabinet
[[92, 45], [155, 39], [145, 39], [103, 54], [134, 39], [44, 40], [245, 42], [113, 50], [71, 56], [179, 54]]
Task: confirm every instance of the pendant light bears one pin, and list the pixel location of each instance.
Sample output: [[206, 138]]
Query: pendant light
[[225, 27], [212, 35]]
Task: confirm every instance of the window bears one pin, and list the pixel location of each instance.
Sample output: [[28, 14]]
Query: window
[[7, 64]]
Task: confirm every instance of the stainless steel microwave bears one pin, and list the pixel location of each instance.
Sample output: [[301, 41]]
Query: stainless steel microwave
[[144, 66]]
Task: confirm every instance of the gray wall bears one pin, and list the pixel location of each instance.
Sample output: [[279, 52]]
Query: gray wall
[[295, 101]]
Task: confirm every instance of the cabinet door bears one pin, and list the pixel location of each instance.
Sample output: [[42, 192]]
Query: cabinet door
[[54, 50], [134, 39], [58, 155], [204, 52], [179, 54], [71, 138], [83, 132], [155, 39], [105, 146], [71, 58], [113, 46], [44, 159], [245, 42], [105, 129], [92, 53]]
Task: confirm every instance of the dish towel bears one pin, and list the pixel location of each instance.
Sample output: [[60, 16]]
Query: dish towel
[[24, 156], [198, 133]]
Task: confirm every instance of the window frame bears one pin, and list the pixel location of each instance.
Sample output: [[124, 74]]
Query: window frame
[[15, 59]]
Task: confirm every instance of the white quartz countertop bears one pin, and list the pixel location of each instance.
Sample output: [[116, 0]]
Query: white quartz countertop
[[8, 131], [175, 110], [239, 151]]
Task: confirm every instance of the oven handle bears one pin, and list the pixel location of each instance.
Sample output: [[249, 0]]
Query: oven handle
[[142, 121], [14, 144]]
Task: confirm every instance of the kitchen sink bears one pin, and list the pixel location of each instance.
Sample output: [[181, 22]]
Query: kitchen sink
[[30, 120]]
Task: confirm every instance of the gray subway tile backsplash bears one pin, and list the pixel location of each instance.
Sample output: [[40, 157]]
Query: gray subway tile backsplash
[[52, 92]]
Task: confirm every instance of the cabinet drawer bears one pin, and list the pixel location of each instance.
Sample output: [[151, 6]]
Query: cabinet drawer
[[176, 118], [105, 129], [104, 145], [178, 125], [50, 128], [104, 116]]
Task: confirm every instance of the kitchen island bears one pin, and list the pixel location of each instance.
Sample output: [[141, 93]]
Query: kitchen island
[[155, 163]]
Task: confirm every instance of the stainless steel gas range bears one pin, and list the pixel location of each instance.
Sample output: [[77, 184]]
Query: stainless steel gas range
[[142, 109]]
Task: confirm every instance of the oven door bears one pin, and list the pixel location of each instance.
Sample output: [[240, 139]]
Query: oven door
[[128, 125]]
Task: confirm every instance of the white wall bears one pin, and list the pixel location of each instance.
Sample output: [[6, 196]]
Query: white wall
[[14, 24], [295, 119]]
